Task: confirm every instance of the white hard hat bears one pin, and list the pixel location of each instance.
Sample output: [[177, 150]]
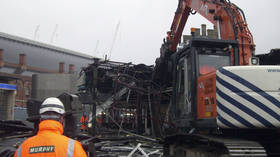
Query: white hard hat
[[52, 104]]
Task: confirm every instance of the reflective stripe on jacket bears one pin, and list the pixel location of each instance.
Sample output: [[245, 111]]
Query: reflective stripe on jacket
[[49, 142]]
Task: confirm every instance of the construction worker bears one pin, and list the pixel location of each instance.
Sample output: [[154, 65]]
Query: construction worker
[[49, 141], [84, 122]]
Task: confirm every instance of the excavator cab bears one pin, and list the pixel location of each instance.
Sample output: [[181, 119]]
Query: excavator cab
[[194, 80]]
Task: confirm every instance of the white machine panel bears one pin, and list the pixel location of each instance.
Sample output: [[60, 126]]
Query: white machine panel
[[248, 97]]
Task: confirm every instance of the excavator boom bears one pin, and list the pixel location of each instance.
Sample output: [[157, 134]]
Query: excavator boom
[[227, 18]]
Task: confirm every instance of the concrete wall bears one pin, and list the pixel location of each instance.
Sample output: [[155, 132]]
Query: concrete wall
[[7, 103], [52, 85]]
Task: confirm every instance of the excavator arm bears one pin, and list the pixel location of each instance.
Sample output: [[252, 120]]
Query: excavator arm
[[226, 17]]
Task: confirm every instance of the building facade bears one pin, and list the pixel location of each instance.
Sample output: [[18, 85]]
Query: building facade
[[20, 58]]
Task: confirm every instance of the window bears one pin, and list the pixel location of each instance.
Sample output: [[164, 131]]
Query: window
[[209, 63], [184, 85]]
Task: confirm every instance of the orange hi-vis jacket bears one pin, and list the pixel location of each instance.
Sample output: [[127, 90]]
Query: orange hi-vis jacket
[[84, 122], [49, 142]]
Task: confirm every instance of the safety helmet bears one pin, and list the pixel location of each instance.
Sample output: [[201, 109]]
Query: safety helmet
[[52, 104]]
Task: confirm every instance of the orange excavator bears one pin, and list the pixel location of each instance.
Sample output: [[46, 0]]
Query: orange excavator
[[221, 103]]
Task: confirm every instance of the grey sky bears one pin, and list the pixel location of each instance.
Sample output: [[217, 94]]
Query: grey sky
[[80, 24]]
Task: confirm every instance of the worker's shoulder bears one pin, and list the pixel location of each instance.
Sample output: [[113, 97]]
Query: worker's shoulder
[[28, 140]]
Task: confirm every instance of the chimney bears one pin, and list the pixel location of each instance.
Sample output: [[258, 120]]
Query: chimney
[[71, 68], [203, 28], [197, 32], [22, 59], [61, 67], [21, 64], [1, 54], [1, 58]]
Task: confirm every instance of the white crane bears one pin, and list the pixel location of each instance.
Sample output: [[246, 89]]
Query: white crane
[[54, 33], [114, 39]]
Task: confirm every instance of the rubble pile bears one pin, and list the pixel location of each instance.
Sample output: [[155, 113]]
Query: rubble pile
[[127, 145]]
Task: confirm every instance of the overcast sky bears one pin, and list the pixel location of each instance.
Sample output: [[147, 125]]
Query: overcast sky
[[138, 26]]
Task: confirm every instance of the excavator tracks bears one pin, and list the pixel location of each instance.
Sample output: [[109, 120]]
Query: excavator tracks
[[245, 149], [238, 147], [212, 146]]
